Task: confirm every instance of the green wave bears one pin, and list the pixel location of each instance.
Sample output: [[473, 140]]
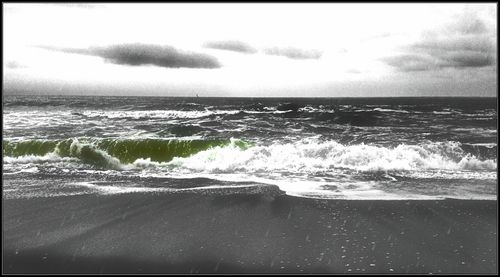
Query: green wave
[[106, 151]]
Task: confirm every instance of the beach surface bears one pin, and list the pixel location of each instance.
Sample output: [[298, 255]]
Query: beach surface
[[257, 230]]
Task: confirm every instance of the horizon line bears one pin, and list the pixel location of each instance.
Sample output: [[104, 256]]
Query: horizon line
[[269, 97]]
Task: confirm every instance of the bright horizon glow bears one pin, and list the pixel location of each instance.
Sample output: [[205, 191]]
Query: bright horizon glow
[[358, 45]]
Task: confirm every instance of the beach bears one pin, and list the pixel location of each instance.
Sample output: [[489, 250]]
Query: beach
[[256, 230]]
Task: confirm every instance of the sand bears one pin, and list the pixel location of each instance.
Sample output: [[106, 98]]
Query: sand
[[248, 232]]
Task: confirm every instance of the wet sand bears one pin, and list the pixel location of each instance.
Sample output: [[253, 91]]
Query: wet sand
[[259, 231]]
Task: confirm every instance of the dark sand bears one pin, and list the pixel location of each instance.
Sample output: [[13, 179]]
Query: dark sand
[[252, 232]]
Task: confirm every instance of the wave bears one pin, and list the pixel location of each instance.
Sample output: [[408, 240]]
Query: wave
[[487, 145], [186, 130], [481, 150], [442, 112], [390, 110], [109, 153], [29, 159], [313, 157], [159, 114], [308, 156], [358, 118]]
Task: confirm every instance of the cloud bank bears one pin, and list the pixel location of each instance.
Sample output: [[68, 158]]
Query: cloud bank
[[231, 45], [138, 54], [466, 43], [294, 53]]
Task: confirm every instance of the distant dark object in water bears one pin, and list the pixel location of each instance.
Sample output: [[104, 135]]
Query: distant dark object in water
[[288, 107]]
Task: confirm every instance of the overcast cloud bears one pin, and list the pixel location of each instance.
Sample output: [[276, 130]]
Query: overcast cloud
[[465, 43]]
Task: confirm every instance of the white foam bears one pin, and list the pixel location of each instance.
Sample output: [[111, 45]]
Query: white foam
[[390, 110], [301, 187], [487, 145], [450, 175], [157, 113], [24, 170], [313, 157], [472, 163], [214, 187], [29, 159], [120, 189], [116, 189], [436, 112]]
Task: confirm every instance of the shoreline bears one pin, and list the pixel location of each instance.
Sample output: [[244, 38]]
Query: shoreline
[[261, 231]]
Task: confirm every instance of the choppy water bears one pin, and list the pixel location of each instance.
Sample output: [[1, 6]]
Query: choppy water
[[347, 148]]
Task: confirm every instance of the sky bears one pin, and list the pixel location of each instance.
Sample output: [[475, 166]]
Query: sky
[[251, 49]]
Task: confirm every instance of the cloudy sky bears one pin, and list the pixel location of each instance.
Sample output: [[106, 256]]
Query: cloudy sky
[[285, 50]]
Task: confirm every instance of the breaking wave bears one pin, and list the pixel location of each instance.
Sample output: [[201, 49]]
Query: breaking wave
[[312, 156], [108, 153], [239, 156]]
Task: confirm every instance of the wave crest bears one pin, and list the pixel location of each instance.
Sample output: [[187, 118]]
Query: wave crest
[[310, 157], [108, 153], [238, 156]]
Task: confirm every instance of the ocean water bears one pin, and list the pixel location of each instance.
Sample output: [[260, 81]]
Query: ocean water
[[329, 148]]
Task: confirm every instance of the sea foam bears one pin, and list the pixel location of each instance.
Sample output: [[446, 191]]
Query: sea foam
[[313, 156]]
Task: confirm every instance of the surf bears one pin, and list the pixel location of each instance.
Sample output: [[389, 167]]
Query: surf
[[237, 155], [313, 156], [107, 152]]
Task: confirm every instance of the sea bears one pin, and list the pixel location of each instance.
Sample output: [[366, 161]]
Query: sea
[[324, 148]]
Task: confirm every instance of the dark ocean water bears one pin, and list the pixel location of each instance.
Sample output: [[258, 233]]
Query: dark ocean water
[[339, 148]]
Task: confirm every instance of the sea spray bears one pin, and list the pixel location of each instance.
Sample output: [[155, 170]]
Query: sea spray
[[313, 157]]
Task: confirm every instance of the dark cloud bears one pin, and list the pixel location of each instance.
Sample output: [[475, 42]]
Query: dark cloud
[[411, 62], [231, 45], [465, 43], [465, 58], [294, 53], [138, 54], [440, 59]]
